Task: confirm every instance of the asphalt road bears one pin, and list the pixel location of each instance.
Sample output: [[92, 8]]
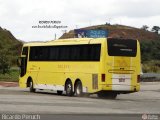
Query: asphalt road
[[14, 100]]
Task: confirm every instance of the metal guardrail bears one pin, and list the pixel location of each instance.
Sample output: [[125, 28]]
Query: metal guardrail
[[150, 77]]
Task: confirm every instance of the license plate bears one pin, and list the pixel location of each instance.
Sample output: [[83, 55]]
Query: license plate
[[121, 79]]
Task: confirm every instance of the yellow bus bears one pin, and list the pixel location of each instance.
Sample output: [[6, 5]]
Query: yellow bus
[[75, 66]]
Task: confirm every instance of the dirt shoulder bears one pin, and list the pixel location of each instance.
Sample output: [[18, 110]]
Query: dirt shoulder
[[8, 84]]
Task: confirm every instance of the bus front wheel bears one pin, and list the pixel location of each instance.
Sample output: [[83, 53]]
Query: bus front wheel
[[69, 88], [31, 88]]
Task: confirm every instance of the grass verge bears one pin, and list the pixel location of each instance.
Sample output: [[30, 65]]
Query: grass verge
[[152, 66], [11, 76]]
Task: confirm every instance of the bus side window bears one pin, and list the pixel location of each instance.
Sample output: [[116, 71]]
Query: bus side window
[[34, 54], [43, 53]]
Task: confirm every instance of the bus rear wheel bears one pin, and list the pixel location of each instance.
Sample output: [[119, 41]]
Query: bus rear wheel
[[31, 88], [107, 95], [69, 88], [78, 89]]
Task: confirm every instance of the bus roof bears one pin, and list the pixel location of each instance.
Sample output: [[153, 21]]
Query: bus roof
[[67, 41]]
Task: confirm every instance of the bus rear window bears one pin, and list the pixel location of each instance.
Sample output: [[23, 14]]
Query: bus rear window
[[122, 47]]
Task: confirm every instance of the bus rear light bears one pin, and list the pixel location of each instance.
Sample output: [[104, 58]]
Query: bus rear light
[[103, 77], [138, 78]]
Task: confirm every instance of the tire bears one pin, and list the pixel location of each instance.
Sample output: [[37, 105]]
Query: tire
[[107, 95], [59, 92], [31, 88], [69, 88], [78, 89]]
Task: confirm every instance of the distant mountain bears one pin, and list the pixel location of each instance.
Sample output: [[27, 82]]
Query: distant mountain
[[119, 31], [10, 43]]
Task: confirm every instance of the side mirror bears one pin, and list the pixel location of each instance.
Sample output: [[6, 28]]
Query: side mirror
[[19, 60]]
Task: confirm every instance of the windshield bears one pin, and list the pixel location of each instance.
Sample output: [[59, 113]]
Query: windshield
[[122, 47]]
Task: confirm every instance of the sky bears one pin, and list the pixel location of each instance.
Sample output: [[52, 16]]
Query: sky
[[22, 16]]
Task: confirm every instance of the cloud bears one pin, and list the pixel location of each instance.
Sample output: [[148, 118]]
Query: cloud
[[20, 15]]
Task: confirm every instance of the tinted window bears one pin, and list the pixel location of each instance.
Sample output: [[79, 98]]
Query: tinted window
[[53, 53], [66, 53], [122, 47]]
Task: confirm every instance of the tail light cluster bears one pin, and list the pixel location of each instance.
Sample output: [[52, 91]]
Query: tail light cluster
[[138, 78]]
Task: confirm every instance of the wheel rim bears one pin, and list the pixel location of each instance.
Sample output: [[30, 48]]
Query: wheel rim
[[78, 90], [69, 88], [31, 84]]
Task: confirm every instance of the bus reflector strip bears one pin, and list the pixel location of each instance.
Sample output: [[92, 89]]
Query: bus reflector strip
[[117, 71]]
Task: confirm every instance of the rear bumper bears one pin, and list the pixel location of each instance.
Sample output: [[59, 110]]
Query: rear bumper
[[117, 87]]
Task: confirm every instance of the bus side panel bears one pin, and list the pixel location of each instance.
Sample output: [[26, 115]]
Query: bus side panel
[[53, 75]]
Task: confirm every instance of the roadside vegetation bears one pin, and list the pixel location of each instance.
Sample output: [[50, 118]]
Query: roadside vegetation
[[152, 66], [11, 76], [150, 56], [9, 51], [10, 48]]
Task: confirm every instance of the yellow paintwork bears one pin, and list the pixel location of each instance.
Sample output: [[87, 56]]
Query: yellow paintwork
[[56, 73]]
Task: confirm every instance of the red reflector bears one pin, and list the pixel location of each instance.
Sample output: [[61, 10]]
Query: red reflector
[[138, 78], [103, 77]]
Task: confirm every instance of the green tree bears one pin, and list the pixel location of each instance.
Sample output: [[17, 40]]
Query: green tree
[[5, 56], [146, 51], [150, 50], [145, 27], [156, 49], [156, 29]]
